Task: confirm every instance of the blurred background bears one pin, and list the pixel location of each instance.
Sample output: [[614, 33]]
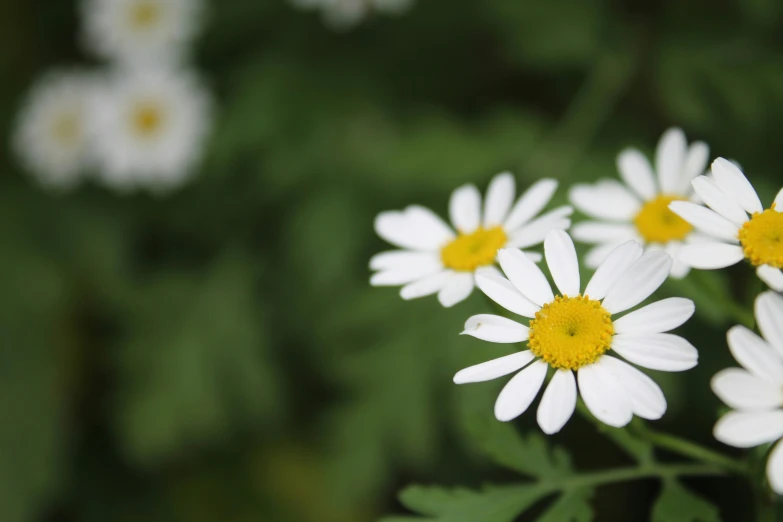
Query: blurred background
[[216, 352]]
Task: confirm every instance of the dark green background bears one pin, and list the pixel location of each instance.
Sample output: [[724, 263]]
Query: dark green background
[[218, 354]]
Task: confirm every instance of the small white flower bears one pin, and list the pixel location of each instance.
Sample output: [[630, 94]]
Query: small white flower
[[572, 333], [140, 30], [732, 235], [51, 135], [638, 209], [755, 391], [344, 14], [150, 126], [435, 259]]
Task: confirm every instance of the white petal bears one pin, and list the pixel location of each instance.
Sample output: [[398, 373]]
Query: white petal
[[500, 290], [533, 233], [755, 355], [779, 201], [495, 329], [530, 203], [695, 165], [600, 389], [415, 227], [426, 286], [533, 256], [601, 232], [606, 199], [407, 272], [710, 256], [745, 429], [500, 195], [670, 158], [495, 368], [558, 402], [772, 276], [679, 269], [637, 173], [403, 258], [456, 289], [465, 208], [769, 315], [641, 279], [734, 183], [719, 201], [775, 469], [647, 399], [563, 264], [658, 317], [665, 352], [520, 391], [526, 276], [742, 390], [705, 220], [598, 254], [615, 265]]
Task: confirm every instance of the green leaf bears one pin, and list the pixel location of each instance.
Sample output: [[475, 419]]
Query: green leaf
[[571, 506], [491, 504], [677, 504], [195, 362]]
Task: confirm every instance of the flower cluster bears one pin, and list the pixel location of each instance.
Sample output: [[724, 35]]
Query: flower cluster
[[589, 341], [141, 122], [344, 14]]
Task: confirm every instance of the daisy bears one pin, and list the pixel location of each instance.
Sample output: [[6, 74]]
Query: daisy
[[573, 333], [139, 30], [755, 391], [638, 208], [733, 236], [344, 14], [436, 259], [51, 135], [150, 126]]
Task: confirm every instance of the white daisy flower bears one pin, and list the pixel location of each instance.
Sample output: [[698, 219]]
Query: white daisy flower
[[150, 126], [51, 134], [638, 208], [344, 14], [140, 30], [755, 391], [732, 235], [436, 259], [573, 332]]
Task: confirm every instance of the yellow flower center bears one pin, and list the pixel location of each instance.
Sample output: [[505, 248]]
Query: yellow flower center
[[144, 15], [147, 119], [470, 251], [762, 238], [571, 332], [66, 128], [657, 224]]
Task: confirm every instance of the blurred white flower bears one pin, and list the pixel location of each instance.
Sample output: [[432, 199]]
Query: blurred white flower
[[638, 208], [140, 30], [51, 134], [435, 259], [732, 236], [573, 333], [755, 391], [344, 14], [149, 127]]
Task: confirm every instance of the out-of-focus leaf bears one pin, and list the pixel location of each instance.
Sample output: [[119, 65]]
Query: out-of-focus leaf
[[571, 506], [677, 504]]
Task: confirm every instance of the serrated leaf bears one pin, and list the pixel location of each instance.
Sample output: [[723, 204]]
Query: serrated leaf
[[678, 504], [491, 504], [571, 506]]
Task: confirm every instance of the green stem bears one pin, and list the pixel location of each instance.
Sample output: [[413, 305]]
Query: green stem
[[663, 471], [693, 450]]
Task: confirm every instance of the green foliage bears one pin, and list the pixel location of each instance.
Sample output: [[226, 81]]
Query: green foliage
[[677, 504]]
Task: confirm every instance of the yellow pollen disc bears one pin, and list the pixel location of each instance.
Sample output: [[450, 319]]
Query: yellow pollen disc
[[147, 120], [762, 238], [571, 332], [144, 14], [470, 251], [657, 224], [66, 128]]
